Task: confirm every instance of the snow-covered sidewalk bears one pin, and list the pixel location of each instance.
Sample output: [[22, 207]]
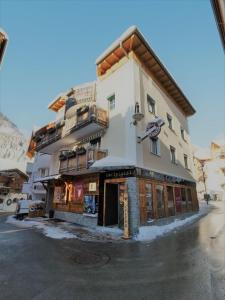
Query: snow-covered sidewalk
[[148, 233], [65, 230]]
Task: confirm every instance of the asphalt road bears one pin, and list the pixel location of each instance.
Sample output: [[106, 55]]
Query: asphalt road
[[185, 265]]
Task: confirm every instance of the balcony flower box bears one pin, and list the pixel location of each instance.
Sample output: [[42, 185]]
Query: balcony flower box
[[62, 156], [81, 151], [71, 154]]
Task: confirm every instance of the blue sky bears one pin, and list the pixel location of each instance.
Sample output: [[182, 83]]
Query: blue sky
[[53, 46]]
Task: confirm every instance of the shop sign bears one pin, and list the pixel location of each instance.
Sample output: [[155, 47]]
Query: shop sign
[[126, 217], [92, 187], [57, 194], [121, 174], [153, 129]]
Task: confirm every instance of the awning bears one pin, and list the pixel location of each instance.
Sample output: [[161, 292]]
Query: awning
[[47, 178]]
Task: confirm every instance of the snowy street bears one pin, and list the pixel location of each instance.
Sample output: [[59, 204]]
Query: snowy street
[[187, 263]]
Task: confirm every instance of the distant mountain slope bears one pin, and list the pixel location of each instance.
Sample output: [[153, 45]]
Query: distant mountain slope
[[13, 145]]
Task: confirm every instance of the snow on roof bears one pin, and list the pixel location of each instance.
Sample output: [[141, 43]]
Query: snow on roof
[[202, 153], [112, 161], [219, 142]]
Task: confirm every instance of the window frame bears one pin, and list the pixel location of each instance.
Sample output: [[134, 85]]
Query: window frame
[[173, 157], [186, 161], [157, 140], [151, 105], [111, 99], [170, 121]]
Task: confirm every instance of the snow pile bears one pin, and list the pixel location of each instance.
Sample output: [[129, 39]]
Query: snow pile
[[148, 233], [111, 161], [51, 231], [13, 146]]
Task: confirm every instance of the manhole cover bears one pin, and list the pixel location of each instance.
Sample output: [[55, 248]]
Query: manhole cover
[[90, 259]]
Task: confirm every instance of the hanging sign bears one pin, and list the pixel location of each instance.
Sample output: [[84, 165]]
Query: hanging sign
[[153, 129], [92, 186]]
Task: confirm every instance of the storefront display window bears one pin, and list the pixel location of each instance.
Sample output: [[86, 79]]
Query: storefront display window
[[177, 192], [160, 201], [170, 198], [189, 199], [149, 202], [90, 204], [183, 198]]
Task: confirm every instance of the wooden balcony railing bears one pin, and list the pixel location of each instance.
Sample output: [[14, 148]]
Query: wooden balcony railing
[[81, 161]]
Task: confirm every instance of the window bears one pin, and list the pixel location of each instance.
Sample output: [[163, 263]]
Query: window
[[149, 200], [155, 146], [112, 102], [182, 133], [170, 121], [170, 198], [160, 200], [151, 104], [185, 161], [173, 154]]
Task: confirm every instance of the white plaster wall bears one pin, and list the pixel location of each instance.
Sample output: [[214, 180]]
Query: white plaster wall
[[120, 137], [144, 85]]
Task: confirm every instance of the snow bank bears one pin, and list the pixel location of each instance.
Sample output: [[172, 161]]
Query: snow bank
[[148, 233], [51, 231]]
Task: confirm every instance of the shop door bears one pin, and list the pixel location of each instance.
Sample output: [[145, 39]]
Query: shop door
[[111, 204], [160, 201], [177, 192]]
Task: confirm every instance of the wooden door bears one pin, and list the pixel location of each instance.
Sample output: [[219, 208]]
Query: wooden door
[[111, 204]]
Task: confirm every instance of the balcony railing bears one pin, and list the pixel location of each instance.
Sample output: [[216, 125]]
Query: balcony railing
[[78, 161], [90, 119], [50, 136]]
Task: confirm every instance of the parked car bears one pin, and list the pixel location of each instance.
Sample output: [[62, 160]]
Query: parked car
[[24, 207]]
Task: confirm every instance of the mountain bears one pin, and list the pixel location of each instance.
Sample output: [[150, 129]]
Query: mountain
[[13, 146]]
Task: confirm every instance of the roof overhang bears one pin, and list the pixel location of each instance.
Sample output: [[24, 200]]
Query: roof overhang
[[219, 12], [57, 103], [132, 41]]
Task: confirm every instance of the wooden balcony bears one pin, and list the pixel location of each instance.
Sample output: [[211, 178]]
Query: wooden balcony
[[79, 123], [75, 162]]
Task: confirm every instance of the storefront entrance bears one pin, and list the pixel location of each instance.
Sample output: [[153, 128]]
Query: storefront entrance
[[111, 204]]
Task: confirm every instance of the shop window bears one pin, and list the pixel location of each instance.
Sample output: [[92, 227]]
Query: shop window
[[112, 102], [95, 143], [151, 104], [189, 199], [155, 146], [91, 204], [183, 200], [186, 161], [170, 121], [173, 154], [160, 201], [149, 200], [170, 199], [178, 202]]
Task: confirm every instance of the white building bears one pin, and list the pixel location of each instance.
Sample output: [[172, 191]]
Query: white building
[[37, 170], [100, 171]]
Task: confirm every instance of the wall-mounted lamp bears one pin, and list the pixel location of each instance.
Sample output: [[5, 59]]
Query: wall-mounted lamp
[[137, 116]]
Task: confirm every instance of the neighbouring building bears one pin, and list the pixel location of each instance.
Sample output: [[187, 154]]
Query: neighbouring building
[[120, 146], [36, 171], [219, 13], [11, 184], [210, 170]]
